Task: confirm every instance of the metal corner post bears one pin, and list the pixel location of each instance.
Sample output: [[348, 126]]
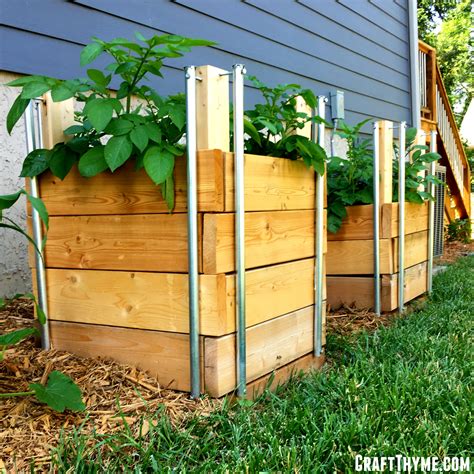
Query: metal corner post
[[319, 231], [376, 219], [34, 140], [431, 209], [401, 218], [238, 99], [191, 147]]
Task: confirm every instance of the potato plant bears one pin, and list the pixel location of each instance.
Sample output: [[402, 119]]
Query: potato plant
[[110, 130], [350, 179], [60, 392]]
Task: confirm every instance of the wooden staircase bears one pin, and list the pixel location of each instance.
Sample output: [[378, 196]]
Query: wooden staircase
[[436, 114]]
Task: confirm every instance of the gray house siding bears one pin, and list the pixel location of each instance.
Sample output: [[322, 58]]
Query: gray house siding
[[358, 46]]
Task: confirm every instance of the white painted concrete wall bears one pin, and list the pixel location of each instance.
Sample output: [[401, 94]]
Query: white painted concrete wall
[[14, 272]]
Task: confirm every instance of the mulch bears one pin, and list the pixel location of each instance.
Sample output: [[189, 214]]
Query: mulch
[[29, 429]]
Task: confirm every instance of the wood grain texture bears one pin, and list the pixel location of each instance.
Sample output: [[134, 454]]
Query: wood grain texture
[[127, 191], [273, 291], [355, 257], [416, 219], [386, 161], [270, 238], [271, 184], [150, 242], [159, 301], [141, 300], [212, 108], [56, 117], [279, 376], [358, 225], [165, 355], [270, 345], [416, 249], [359, 291]]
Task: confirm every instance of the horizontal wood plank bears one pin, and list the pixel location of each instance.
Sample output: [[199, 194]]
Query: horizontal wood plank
[[271, 184], [151, 242], [359, 291], [159, 301], [165, 355], [358, 225], [270, 237], [270, 345], [355, 257], [416, 219], [278, 377], [127, 191]]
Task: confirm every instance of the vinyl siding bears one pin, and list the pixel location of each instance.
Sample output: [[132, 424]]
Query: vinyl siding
[[358, 46]]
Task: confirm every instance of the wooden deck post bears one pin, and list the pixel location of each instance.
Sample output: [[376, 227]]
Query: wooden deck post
[[386, 161], [212, 97]]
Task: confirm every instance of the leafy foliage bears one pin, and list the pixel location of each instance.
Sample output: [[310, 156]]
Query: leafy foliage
[[59, 393], [454, 45], [14, 337], [459, 230], [272, 127], [109, 130], [350, 179], [9, 200]]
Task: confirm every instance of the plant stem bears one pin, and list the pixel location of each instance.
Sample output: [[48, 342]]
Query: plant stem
[[16, 394]]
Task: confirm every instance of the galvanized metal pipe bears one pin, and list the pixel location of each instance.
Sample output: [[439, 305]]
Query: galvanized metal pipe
[[193, 278], [431, 208], [34, 140], [238, 98], [376, 219], [401, 218], [318, 241]]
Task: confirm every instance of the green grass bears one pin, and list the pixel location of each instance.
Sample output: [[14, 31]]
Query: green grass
[[405, 389]]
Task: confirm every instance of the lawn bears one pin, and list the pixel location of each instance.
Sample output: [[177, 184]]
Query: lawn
[[404, 389]]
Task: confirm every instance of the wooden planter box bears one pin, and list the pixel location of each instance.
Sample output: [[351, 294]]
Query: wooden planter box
[[116, 263], [350, 264]]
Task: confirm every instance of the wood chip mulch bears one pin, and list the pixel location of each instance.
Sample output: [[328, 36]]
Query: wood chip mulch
[[454, 250], [29, 429]]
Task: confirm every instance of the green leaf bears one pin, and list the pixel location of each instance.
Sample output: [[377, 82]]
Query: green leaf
[[93, 162], [22, 81], [74, 129], [250, 130], [34, 89], [35, 163], [154, 132], [178, 116], [90, 52], [40, 208], [60, 393], [100, 112], [11, 338], [167, 191], [159, 164], [117, 151], [118, 126], [8, 200], [97, 76], [339, 209], [16, 111], [61, 161], [61, 92], [139, 137], [40, 314]]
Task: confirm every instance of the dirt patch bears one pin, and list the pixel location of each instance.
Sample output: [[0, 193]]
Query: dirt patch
[[29, 429], [453, 251]]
